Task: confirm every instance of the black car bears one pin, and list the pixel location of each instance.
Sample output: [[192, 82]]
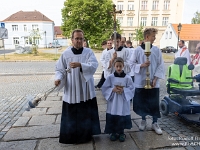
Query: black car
[[169, 49]]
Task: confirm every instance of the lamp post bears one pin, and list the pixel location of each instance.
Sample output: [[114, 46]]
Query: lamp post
[[45, 32], [179, 29]]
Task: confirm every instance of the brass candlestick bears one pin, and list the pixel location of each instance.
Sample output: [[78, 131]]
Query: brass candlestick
[[148, 83]]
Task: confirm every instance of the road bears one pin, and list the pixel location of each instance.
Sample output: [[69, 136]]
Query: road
[[6, 51]]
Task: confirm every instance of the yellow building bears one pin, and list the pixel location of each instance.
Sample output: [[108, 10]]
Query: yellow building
[[148, 13]]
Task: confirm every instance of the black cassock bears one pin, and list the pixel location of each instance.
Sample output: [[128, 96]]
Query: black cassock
[[79, 122], [146, 102]]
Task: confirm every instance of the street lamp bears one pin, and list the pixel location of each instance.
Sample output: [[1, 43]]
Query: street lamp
[[45, 32], [179, 29]]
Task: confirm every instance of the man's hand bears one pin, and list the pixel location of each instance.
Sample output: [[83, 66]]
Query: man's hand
[[114, 55], [57, 82], [75, 64], [146, 64]]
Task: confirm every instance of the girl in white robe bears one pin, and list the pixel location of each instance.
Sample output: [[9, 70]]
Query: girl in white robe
[[118, 90], [79, 119]]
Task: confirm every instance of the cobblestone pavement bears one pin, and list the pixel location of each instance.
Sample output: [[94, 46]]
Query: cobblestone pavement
[[27, 79]]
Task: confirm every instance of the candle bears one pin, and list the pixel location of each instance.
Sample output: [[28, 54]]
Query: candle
[[147, 46]]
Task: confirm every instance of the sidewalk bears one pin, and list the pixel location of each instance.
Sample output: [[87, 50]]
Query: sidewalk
[[38, 129]]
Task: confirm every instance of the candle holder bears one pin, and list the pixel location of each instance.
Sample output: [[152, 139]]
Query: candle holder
[[147, 81]]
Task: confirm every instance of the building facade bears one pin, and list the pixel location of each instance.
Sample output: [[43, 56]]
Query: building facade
[[189, 33], [148, 13], [20, 26]]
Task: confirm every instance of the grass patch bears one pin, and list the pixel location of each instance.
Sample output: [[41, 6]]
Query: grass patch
[[167, 57], [30, 57]]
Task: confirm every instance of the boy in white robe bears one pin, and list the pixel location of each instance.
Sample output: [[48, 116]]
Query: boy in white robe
[[146, 101], [118, 51], [79, 119], [183, 51], [102, 60], [118, 89]]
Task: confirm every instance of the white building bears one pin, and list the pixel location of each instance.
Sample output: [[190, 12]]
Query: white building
[[190, 33], [20, 25], [148, 13]]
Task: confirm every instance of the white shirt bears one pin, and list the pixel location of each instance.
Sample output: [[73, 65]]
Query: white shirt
[[186, 54], [156, 67]]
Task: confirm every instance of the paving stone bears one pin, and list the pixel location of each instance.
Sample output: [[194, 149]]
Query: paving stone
[[22, 121], [102, 126], [102, 107], [60, 94], [134, 128], [50, 104], [102, 142], [35, 112], [35, 132], [58, 119], [134, 115], [149, 140], [42, 120], [18, 145], [53, 98], [171, 148], [54, 110], [53, 144], [102, 116], [53, 94]]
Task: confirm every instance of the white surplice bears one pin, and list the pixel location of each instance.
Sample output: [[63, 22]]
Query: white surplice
[[118, 104], [103, 58], [131, 52], [156, 67], [124, 54], [79, 86], [186, 54]]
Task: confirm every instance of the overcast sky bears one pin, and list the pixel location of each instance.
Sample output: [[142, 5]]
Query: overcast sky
[[52, 8]]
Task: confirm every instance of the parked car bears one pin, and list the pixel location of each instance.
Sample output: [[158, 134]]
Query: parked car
[[169, 49], [54, 45]]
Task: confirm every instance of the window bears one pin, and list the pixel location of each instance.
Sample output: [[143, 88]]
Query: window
[[165, 21], [119, 5], [154, 21], [130, 21], [170, 35], [166, 4], [130, 36], [166, 35], [35, 26], [144, 5], [25, 28], [155, 5], [120, 19], [14, 27], [130, 5], [16, 40], [26, 40], [143, 21]]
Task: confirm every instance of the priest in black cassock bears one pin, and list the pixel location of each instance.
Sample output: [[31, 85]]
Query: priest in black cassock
[[79, 119]]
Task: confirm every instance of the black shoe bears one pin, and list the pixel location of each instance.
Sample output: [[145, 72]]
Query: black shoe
[[122, 137], [114, 136]]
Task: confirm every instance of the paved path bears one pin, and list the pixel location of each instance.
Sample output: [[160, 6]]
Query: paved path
[[22, 80]]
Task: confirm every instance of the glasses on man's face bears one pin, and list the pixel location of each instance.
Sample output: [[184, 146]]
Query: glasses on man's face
[[79, 39]]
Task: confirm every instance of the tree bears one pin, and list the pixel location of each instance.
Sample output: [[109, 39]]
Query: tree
[[196, 18], [138, 34], [34, 34], [92, 16]]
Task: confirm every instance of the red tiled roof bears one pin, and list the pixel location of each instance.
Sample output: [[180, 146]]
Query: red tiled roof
[[58, 30], [189, 32], [27, 16]]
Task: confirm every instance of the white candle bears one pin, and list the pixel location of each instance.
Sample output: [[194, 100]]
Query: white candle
[[147, 46]]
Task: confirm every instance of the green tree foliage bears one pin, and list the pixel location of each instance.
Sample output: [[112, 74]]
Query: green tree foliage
[[92, 16], [196, 18], [138, 35]]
